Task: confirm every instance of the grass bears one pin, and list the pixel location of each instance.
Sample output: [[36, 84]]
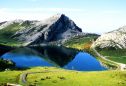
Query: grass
[[63, 77], [7, 32], [81, 43], [10, 42], [118, 55], [9, 77], [72, 78]]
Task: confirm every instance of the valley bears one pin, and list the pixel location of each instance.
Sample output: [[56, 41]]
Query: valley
[[56, 52]]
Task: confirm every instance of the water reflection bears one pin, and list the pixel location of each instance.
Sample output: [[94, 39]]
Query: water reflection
[[4, 49], [59, 56], [53, 56]]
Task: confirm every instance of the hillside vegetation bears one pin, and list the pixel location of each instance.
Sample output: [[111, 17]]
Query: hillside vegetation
[[7, 32], [82, 42], [118, 55]]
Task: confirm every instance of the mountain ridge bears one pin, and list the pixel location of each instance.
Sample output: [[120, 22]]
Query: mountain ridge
[[113, 39], [55, 28]]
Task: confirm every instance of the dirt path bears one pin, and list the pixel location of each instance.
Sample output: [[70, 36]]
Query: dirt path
[[23, 76], [121, 66]]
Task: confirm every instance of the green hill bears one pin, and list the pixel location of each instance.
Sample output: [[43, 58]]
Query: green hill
[[81, 42]]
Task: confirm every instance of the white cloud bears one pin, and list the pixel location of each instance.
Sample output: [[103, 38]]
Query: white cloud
[[89, 21], [32, 13], [42, 9]]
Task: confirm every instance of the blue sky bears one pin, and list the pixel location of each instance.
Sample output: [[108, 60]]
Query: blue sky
[[96, 16]]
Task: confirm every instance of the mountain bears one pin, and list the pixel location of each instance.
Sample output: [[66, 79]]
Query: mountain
[[115, 39], [57, 28]]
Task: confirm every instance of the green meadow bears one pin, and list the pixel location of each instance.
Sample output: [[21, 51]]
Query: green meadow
[[118, 55], [62, 77]]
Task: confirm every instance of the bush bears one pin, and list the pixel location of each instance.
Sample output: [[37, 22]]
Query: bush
[[4, 64]]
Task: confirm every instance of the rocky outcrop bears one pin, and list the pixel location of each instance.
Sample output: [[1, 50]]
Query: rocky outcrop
[[57, 27], [115, 39]]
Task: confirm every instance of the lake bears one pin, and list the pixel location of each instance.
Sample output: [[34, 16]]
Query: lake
[[53, 56]]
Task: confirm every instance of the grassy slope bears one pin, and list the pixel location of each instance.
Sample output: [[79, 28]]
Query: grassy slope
[[115, 55], [9, 77], [67, 78], [107, 64], [7, 32], [80, 42]]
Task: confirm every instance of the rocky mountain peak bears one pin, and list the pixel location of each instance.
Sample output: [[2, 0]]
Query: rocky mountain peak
[[114, 39], [58, 15], [56, 19], [123, 29], [58, 27]]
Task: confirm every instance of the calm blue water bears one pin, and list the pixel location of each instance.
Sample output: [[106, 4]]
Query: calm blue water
[[54, 56], [84, 61]]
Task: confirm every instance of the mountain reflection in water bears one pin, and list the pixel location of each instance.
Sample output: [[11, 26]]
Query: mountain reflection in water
[[53, 56]]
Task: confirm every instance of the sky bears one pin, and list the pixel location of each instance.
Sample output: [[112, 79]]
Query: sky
[[95, 16]]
